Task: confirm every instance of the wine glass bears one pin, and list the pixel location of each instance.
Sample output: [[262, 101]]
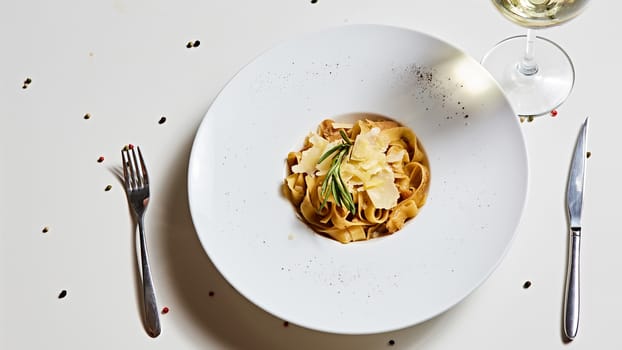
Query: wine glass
[[541, 79]]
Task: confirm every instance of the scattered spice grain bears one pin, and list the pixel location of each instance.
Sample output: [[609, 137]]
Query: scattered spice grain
[[527, 284], [26, 83], [62, 294]]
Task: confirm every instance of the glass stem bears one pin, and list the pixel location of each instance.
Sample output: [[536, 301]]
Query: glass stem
[[528, 65]]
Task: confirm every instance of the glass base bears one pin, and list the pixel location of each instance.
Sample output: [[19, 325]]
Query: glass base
[[537, 94]]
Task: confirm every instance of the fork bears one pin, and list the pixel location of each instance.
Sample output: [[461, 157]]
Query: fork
[[137, 189]]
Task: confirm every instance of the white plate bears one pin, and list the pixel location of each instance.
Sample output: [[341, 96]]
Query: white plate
[[478, 179]]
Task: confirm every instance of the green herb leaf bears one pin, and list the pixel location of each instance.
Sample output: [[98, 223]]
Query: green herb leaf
[[333, 182], [329, 152], [345, 138]]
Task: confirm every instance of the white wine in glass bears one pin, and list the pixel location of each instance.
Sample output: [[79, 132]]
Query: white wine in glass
[[535, 73]]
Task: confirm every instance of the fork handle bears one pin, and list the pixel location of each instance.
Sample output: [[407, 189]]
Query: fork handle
[[152, 320]]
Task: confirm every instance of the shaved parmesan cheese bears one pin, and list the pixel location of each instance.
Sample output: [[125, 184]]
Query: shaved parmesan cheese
[[368, 165], [369, 144], [310, 157], [323, 167], [382, 191], [353, 175], [396, 154], [342, 125]]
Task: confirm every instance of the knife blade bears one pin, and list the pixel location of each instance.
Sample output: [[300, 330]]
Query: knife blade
[[574, 204]]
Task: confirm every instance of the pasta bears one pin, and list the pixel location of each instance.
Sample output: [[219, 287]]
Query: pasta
[[354, 182]]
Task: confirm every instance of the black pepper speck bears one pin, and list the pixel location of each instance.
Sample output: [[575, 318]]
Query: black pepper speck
[[527, 284], [162, 120], [62, 294]]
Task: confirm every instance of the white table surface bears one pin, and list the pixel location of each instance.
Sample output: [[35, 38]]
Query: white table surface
[[126, 64]]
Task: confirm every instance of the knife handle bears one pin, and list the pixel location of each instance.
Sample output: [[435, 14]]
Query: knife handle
[[571, 300]]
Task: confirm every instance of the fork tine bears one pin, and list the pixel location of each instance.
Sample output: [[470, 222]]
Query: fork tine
[[126, 174], [137, 169], [145, 177], [133, 169]]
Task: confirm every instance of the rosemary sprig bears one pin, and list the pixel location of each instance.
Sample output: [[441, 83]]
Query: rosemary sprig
[[333, 183]]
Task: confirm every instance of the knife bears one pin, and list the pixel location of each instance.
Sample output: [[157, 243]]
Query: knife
[[574, 203]]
